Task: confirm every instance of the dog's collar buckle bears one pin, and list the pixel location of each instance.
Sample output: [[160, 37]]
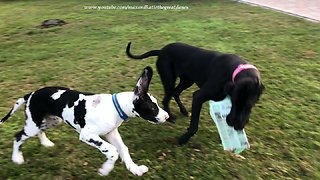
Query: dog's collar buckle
[[116, 104], [242, 67]]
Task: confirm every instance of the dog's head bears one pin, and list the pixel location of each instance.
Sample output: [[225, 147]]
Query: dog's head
[[244, 94], [145, 105]]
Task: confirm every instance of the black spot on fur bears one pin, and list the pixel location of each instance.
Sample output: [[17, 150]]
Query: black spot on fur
[[19, 135], [104, 151], [26, 97], [20, 147], [79, 113], [146, 108], [42, 104], [135, 112], [97, 143]]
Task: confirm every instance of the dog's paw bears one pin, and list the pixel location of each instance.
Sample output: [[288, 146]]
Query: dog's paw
[[106, 168], [103, 172], [184, 112], [143, 169], [47, 143], [183, 139], [138, 170], [18, 158]]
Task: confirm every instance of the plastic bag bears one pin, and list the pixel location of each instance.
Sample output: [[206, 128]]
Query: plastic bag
[[232, 139]]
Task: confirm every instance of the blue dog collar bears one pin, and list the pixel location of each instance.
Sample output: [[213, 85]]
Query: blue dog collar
[[116, 104]]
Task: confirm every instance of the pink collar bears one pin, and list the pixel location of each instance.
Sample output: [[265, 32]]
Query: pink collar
[[242, 67]]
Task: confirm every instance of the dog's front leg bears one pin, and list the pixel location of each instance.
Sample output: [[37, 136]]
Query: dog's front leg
[[115, 139], [107, 149], [199, 97]]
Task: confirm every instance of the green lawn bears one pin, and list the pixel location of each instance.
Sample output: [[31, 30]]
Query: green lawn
[[88, 54]]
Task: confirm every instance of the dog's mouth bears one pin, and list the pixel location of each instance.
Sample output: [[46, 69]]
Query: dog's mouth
[[152, 122], [238, 121], [158, 121]]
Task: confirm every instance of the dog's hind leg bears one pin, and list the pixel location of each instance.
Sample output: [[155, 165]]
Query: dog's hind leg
[[29, 130], [184, 84], [168, 80], [44, 140]]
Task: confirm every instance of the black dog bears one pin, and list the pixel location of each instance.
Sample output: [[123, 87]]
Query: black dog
[[216, 74]]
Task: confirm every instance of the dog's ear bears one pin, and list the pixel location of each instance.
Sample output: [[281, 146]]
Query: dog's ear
[[143, 82], [228, 88], [260, 87]]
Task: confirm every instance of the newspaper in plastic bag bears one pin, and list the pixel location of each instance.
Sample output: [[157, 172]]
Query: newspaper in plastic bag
[[232, 139]]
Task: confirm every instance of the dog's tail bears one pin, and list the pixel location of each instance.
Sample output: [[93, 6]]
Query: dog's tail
[[16, 107], [145, 55]]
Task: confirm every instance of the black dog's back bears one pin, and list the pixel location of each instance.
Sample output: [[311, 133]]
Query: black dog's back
[[189, 61]]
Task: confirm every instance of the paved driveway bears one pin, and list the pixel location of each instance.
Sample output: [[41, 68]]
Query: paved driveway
[[308, 9]]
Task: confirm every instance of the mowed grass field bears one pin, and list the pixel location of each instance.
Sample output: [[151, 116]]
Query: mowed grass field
[[88, 54]]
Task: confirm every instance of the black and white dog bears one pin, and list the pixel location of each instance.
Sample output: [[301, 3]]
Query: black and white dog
[[91, 115], [216, 74]]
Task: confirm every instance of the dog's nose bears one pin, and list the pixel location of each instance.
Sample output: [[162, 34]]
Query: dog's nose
[[166, 116]]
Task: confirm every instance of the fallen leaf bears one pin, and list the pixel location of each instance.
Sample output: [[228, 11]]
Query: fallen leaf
[[239, 156], [309, 53]]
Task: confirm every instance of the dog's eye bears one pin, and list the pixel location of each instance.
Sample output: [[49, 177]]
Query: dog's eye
[[153, 109]]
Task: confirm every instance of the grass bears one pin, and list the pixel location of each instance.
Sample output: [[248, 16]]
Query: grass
[[88, 54]]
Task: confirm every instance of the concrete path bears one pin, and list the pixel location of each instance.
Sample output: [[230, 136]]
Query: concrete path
[[308, 9]]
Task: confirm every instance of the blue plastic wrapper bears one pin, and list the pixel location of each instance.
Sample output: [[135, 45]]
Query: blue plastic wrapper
[[232, 140]]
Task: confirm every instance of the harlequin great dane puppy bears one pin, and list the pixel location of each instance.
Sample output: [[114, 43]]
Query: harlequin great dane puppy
[[91, 115], [216, 74]]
